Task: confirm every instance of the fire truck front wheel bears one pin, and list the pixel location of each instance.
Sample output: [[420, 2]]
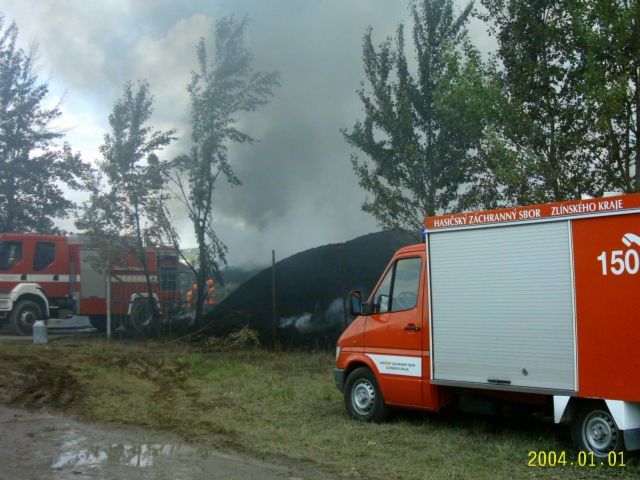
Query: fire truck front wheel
[[363, 397], [593, 429], [23, 316]]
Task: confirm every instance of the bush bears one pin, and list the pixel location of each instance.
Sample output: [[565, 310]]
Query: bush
[[244, 338]]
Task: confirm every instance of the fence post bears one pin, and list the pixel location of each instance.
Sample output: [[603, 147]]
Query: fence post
[[273, 297], [108, 295]]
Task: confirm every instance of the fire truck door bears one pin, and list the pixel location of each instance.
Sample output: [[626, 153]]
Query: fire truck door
[[393, 336], [92, 282]]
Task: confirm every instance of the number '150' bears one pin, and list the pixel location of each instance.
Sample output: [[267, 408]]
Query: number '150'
[[619, 262]]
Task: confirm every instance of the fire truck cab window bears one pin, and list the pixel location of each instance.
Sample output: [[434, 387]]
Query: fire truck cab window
[[168, 278], [382, 295], [406, 284], [10, 254], [44, 256]]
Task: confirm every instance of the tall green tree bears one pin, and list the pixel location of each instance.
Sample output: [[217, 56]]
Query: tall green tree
[[129, 187], [607, 34], [421, 129], [540, 148], [222, 87], [35, 169]]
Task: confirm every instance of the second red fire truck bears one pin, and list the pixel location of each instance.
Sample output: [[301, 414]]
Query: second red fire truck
[[53, 276]]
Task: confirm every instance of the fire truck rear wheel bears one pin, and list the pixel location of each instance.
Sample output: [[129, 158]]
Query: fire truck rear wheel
[[363, 397], [594, 429], [23, 316], [141, 320]]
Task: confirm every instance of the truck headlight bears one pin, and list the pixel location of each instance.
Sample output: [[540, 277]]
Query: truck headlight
[[337, 352], [5, 304]]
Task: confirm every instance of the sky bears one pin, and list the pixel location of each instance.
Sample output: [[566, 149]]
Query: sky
[[298, 188]]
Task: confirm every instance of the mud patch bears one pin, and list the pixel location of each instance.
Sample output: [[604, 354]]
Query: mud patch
[[38, 384], [59, 448]]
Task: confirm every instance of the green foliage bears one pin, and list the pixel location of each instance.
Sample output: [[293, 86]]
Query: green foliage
[[608, 42], [221, 89], [421, 130], [541, 143], [129, 183], [34, 168], [553, 115]]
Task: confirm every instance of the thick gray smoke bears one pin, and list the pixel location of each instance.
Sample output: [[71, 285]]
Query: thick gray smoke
[[298, 189], [323, 321], [299, 322]]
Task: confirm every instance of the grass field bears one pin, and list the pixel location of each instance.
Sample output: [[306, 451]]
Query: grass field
[[276, 404]]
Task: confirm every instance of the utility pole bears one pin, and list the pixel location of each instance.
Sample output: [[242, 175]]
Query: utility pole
[[342, 291], [273, 297]]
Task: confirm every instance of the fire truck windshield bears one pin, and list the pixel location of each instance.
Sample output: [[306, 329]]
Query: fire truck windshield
[[10, 254]]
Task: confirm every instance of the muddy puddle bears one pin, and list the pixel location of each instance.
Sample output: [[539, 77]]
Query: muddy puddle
[[43, 446]]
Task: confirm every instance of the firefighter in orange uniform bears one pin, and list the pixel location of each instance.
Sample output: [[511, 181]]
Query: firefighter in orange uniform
[[210, 298], [192, 296]]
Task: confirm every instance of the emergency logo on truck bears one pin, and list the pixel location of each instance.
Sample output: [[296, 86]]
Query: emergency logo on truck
[[397, 365], [620, 261]]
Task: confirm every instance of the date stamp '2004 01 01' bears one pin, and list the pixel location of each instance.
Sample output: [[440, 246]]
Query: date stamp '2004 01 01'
[[584, 459]]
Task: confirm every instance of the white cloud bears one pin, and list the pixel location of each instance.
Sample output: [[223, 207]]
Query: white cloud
[[82, 128]]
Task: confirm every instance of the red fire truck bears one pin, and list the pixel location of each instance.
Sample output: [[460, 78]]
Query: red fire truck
[[533, 305], [52, 276]]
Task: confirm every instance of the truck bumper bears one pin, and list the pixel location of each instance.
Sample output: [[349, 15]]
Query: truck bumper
[[338, 375], [5, 304]]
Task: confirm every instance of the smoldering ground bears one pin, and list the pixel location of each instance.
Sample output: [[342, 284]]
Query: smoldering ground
[[309, 291]]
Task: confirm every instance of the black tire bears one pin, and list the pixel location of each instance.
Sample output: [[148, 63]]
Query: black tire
[[363, 397], [142, 319], [23, 316], [593, 429], [99, 322]]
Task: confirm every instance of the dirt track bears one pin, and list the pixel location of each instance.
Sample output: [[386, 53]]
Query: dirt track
[[45, 446]]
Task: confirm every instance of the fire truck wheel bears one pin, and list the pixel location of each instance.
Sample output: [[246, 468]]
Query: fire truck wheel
[[23, 316], [363, 397], [141, 319], [594, 430]]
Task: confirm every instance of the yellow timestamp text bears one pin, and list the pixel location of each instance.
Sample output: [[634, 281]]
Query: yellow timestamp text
[[552, 458]]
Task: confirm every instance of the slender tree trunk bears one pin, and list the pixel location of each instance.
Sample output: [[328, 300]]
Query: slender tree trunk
[[202, 272], [554, 167], [431, 197], [10, 199], [143, 259], [637, 152]]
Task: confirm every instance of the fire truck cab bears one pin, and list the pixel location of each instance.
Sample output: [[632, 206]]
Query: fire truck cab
[[535, 306], [54, 276]]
